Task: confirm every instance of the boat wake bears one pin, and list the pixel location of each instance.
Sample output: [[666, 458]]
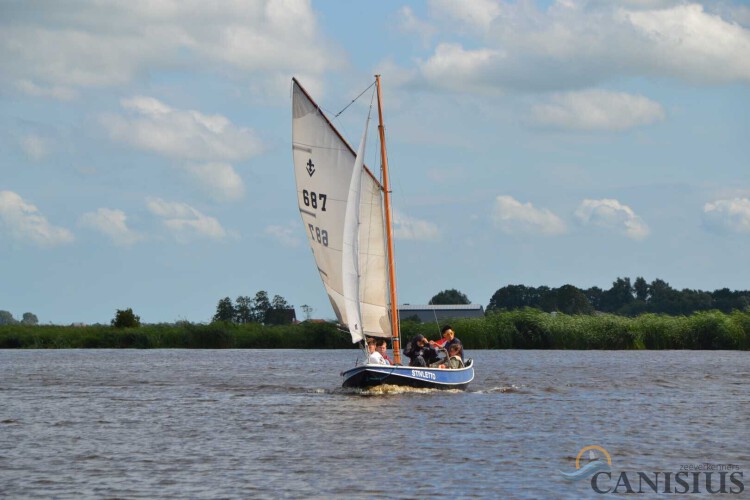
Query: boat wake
[[285, 389], [502, 389], [388, 389]]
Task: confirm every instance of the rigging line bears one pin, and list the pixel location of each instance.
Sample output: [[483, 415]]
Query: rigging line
[[353, 100]]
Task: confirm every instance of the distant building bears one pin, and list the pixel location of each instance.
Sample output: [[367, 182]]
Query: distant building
[[286, 316], [440, 313]]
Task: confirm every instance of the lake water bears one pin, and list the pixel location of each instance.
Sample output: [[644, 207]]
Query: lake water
[[251, 423]]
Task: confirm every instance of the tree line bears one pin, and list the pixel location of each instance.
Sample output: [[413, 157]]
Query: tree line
[[6, 318], [623, 298], [520, 329], [259, 309]]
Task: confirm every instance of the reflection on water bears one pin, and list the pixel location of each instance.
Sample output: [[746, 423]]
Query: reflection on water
[[238, 424]]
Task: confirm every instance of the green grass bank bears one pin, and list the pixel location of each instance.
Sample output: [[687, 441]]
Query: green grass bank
[[522, 329]]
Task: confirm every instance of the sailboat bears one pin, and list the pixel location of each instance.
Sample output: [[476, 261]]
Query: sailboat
[[346, 213]]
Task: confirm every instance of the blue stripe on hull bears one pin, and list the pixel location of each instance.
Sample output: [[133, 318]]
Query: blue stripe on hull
[[411, 376]]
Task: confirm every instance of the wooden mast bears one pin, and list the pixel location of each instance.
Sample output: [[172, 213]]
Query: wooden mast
[[389, 232]]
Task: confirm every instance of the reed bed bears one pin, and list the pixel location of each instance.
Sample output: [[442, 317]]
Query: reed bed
[[520, 329], [182, 335], [534, 329]]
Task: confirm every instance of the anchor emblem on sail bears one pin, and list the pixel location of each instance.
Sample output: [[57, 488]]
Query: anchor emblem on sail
[[310, 167]]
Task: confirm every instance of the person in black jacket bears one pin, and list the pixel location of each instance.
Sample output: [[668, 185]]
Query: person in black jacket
[[420, 352]]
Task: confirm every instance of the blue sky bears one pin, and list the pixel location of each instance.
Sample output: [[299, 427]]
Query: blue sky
[[146, 156]]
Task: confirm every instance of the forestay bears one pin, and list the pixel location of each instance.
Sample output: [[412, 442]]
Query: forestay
[[324, 164]]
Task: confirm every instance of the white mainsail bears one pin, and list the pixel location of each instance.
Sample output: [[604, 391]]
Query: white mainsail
[[324, 165]]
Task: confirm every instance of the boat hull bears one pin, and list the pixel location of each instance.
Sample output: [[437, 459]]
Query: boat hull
[[365, 376]]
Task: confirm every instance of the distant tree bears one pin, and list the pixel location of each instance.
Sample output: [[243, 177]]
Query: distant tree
[[516, 297], [449, 297], [279, 302], [548, 301], [623, 298], [261, 305], [125, 318], [307, 310], [571, 300], [6, 318], [30, 319], [663, 298], [594, 294], [640, 286], [635, 308], [243, 310], [694, 300], [723, 299], [660, 290], [727, 301], [620, 295], [224, 310]]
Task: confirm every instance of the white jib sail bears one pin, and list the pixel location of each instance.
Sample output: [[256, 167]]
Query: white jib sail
[[350, 257], [323, 169]]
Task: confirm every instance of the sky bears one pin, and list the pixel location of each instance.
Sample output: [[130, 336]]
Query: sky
[[145, 147]]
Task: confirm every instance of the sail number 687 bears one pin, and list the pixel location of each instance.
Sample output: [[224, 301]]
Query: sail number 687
[[313, 199], [319, 235]]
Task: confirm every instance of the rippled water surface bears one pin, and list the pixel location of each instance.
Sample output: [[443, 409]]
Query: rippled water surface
[[242, 424]]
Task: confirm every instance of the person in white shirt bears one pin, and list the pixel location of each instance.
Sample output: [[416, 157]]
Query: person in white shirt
[[375, 357], [381, 346]]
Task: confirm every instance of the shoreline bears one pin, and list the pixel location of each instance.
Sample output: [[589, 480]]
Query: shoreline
[[520, 329]]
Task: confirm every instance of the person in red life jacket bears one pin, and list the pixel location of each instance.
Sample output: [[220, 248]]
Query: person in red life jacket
[[382, 347], [449, 339]]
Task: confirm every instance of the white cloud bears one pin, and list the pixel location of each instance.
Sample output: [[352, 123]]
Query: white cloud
[[285, 235], [185, 222], [472, 16], [409, 228], [579, 44], [61, 48], [188, 136], [454, 68], [111, 223], [219, 180], [730, 215], [55, 92], [512, 217], [180, 134], [613, 215], [597, 110], [688, 42], [409, 23], [34, 146], [24, 222]]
